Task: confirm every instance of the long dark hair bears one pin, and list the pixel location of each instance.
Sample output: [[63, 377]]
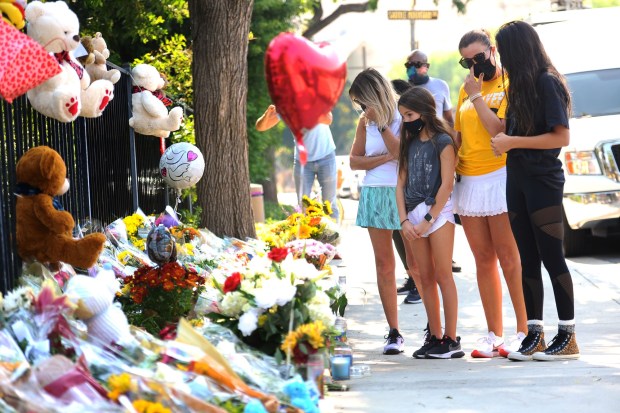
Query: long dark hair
[[524, 59], [421, 101]]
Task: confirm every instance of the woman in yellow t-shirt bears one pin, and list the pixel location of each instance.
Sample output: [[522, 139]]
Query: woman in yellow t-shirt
[[480, 190]]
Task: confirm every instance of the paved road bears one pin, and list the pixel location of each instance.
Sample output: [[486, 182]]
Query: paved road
[[403, 384]]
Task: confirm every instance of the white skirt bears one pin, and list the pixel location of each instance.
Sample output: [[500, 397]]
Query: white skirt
[[446, 215], [482, 195]]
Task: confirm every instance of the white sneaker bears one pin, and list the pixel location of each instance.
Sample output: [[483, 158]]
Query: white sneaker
[[489, 346], [513, 344]]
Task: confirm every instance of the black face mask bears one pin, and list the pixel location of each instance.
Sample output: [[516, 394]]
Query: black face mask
[[414, 127], [487, 68]]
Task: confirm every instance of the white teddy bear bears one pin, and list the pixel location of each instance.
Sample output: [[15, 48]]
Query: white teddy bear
[[70, 93], [94, 296], [150, 115]]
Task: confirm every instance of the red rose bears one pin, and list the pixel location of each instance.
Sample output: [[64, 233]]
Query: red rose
[[277, 254], [232, 282]]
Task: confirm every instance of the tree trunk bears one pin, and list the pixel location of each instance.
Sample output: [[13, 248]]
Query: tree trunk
[[220, 31]]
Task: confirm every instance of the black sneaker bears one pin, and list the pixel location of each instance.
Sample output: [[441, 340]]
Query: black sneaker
[[429, 343], [532, 343], [407, 286], [446, 349], [455, 267], [394, 343], [562, 347], [413, 297]]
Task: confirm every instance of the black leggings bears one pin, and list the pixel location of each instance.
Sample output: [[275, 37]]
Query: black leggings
[[400, 247], [535, 210]]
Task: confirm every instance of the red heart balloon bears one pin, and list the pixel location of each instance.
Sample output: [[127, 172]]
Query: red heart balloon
[[305, 80]]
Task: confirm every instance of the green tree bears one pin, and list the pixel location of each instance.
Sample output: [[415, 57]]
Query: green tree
[[132, 28]]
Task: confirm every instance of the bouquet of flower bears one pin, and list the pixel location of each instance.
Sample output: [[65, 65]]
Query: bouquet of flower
[[259, 302], [138, 226], [315, 252], [305, 340], [154, 297], [312, 222]]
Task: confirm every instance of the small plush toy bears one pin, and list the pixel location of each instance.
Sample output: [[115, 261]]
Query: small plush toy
[[95, 62], [150, 115], [94, 296], [300, 397], [12, 11], [43, 228], [70, 93]]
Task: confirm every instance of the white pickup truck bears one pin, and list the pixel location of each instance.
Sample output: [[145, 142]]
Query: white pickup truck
[[584, 48]]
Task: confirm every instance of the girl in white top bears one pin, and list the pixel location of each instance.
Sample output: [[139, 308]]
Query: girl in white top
[[375, 150]]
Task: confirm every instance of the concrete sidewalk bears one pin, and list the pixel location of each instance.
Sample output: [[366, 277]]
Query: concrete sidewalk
[[403, 384]]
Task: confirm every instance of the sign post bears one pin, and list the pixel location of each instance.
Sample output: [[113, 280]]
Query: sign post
[[412, 16]]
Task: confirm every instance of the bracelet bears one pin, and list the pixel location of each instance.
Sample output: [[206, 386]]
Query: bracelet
[[475, 96], [403, 221]]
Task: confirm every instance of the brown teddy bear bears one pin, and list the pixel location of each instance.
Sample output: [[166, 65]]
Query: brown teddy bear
[[44, 229]]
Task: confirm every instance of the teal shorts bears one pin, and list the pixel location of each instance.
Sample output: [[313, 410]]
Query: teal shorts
[[377, 208]]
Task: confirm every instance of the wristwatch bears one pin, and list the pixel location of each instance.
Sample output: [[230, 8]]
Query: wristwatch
[[429, 218]]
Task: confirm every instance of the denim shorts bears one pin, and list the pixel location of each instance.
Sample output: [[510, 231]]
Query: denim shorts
[[377, 208]]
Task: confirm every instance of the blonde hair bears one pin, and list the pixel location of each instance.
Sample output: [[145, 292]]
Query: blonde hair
[[375, 91]]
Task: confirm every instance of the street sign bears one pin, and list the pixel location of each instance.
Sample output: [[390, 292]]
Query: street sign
[[413, 14]]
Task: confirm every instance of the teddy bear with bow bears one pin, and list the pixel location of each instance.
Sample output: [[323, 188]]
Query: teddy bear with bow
[[150, 114], [70, 93], [43, 228]]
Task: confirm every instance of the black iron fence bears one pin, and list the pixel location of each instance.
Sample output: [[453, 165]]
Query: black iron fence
[[112, 171]]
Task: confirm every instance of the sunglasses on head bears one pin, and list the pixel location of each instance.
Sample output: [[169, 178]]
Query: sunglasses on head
[[361, 104], [479, 58], [417, 65]]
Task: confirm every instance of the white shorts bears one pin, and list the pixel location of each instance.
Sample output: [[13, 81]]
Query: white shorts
[[417, 215], [482, 195]]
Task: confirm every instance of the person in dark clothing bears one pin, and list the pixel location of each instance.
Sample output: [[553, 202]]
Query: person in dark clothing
[[536, 128]]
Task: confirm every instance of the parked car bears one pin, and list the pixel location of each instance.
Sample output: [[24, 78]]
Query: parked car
[[349, 182], [581, 47]]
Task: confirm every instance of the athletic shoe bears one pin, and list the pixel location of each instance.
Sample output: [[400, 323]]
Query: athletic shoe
[[413, 297], [532, 343], [455, 267], [429, 343], [562, 347], [406, 287], [513, 344], [394, 343], [446, 349], [489, 347]]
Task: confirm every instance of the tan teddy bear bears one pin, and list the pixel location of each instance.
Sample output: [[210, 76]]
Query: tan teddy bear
[[150, 114], [44, 229], [70, 93], [96, 67]]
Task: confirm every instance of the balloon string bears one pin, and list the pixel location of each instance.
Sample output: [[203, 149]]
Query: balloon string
[[178, 200]]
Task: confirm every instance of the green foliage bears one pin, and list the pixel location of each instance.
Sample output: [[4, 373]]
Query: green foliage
[[132, 28], [344, 123], [605, 3], [174, 59], [277, 212]]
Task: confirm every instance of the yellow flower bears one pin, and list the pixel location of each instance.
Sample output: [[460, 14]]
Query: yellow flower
[[304, 231], [119, 384], [262, 319], [144, 406]]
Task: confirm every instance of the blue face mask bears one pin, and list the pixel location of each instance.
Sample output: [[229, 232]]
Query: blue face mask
[[415, 78]]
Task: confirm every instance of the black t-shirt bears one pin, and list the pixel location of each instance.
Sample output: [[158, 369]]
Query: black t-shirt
[[424, 170], [550, 111]]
